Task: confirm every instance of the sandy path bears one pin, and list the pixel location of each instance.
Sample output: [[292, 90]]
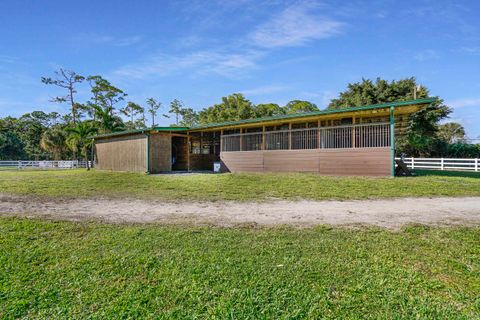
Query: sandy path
[[391, 214]]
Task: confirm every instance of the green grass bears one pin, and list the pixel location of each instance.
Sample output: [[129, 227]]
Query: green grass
[[80, 270], [80, 183]]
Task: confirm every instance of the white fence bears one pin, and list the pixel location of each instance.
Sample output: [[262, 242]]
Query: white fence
[[443, 164], [26, 164]]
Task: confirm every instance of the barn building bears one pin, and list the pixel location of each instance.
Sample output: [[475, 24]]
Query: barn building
[[350, 141]]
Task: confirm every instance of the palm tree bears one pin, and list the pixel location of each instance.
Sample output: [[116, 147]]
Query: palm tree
[[108, 122], [53, 141], [80, 138]]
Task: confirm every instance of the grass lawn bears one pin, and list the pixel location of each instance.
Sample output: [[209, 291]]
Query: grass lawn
[[80, 270], [81, 183]]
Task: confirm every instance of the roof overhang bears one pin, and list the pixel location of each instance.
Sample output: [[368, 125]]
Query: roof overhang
[[400, 107], [142, 131]]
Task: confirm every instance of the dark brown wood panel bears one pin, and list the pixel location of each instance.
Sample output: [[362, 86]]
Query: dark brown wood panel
[[202, 161], [180, 152]]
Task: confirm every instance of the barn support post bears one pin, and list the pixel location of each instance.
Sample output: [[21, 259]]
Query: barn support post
[[147, 134], [353, 133], [392, 141], [189, 146], [290, 136], [241, 139], [263, 138]]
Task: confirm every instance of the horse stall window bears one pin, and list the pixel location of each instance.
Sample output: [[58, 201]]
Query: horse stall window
[[195, 143], [207, 143], [252, 139], [306, 138], [278, 138]]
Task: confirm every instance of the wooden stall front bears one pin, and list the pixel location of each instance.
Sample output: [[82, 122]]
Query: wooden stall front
[[339, 162]]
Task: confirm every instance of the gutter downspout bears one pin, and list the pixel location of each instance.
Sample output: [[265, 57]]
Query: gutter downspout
[[392, 141]]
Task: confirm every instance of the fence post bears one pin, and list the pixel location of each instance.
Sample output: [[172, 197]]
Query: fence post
[[413, 163], [441, 164], [476, 164]]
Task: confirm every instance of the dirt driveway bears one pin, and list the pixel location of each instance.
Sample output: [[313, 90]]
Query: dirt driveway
[[391, 214]]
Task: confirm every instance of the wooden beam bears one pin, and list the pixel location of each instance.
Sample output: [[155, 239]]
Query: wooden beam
[[241, 139], [263, 138], [353, 133], [221, 143], [290, 136], [319, 139], [189, 147], [392, 141]]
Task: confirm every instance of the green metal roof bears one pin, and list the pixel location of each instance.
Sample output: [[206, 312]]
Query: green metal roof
[[317, 113], [280, 117]]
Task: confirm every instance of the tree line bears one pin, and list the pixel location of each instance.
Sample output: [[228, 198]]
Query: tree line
[[40, 135]]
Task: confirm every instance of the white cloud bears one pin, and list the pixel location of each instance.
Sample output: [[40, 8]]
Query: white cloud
[[83, 39], [471, 50], [264, 90], [426, 55], [201, 62], [8, 59], [467, 102], [295, 26]]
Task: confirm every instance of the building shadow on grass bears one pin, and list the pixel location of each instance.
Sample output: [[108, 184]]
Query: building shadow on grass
[[462, 174]]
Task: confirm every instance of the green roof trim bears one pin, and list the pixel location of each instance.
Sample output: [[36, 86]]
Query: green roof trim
[[317, 113], [127, 132], [281, 117], [169, 129]]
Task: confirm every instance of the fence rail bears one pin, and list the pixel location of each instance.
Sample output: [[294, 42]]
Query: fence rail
[[459, 164], [27, 164], [352, 136]]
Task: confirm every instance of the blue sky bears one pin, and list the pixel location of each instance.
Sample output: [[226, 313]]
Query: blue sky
[[272, 51]]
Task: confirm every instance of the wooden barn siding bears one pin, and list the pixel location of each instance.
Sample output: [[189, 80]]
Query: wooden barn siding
[[160, 153], [128, 153], [242, 161], [359, 161], [352, 162], [291, 160]]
